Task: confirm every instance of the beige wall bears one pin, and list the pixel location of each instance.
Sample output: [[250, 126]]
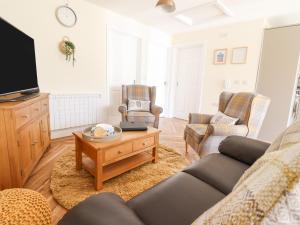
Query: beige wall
[[37, 19], [242, 77]]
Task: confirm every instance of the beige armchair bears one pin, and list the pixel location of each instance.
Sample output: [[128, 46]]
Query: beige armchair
[[251, 110], [140, 92]]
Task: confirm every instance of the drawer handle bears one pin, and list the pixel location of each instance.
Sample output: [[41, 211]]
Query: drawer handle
[[45, 104], [36, 109], [119, 152], [144, 143], [24, 116]]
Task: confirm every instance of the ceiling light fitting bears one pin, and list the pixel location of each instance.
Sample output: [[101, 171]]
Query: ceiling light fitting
[[166, 5]]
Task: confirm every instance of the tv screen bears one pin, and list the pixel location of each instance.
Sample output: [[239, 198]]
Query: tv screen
[[17, 61]]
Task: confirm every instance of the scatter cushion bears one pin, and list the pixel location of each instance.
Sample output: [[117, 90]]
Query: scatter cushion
[[267, 196], [221, 118], [138, 105]]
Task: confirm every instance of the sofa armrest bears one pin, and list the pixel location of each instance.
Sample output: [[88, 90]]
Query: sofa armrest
[[156, 110], [196, 118], [243, 149], [123, 108], [227, 130], [101, 209]]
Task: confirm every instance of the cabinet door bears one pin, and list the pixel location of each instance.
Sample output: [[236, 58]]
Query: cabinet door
[[36, 139], [45, 131], [26, 152]]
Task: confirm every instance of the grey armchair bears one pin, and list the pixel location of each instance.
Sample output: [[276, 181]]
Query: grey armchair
[[250, 108], [140, 92]]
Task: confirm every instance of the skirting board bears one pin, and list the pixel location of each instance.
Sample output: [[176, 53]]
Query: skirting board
[[66, 132]]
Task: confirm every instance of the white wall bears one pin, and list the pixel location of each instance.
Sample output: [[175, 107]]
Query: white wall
[[242, 76], [37, 19]]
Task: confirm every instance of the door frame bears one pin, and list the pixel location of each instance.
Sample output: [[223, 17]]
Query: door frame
[[174, 73]]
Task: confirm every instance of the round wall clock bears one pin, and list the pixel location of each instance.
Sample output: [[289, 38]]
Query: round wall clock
[[66, 16]]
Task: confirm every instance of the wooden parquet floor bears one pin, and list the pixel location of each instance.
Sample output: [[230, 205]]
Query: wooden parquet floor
[[171, 136]]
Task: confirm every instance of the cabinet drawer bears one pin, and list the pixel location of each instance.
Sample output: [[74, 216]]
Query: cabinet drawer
[[35, 109], [22, 116], [45, 105], [118, 151], [143, 143]]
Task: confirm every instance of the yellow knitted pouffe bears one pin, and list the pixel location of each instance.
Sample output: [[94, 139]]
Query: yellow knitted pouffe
[[23, 207]]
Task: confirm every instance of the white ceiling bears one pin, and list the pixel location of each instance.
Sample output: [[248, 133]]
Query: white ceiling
[[196, 14]]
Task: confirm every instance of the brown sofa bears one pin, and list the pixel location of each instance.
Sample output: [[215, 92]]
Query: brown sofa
[[178, 200]]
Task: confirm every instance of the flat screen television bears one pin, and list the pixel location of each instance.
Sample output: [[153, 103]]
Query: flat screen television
[[18, 71]]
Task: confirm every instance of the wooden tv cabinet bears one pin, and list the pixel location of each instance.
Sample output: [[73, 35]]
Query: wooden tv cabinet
[[24, 137]]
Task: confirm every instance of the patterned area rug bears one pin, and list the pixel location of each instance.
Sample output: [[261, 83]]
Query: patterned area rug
[[69, 186]]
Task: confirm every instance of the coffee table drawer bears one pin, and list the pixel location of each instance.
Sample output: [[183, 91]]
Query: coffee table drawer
[[117, 152], [143, 143]]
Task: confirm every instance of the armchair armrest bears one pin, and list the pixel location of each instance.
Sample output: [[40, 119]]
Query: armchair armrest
[[243, 149], [156, 110], [227, 130], [102, 209], [123, 108], [196, 118]]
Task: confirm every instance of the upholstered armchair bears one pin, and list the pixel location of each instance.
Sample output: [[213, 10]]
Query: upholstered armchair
[[143, 93], [250, 109]]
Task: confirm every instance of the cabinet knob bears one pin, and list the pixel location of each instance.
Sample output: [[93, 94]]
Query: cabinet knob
[[24, 116], [119, 152]]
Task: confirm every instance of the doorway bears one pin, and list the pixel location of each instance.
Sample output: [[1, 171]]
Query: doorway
[[188, 87]]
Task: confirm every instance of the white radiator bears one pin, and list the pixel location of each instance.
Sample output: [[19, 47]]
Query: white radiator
[[74, 110]]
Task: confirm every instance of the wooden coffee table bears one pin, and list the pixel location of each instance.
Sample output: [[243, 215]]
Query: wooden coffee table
[[110, 159]]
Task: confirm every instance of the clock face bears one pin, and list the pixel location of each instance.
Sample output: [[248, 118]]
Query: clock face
[[66, 16]]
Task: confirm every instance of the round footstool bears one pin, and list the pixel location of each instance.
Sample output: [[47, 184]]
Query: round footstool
[[23, 207]]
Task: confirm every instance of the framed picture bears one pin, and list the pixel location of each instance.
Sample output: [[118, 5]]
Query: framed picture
[[220, 56], [239, 55]]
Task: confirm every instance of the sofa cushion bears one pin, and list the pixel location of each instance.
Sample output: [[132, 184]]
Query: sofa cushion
[[178, 200], [267, 196], [101, 209], [243, 149], [219, 171], [146, 117]]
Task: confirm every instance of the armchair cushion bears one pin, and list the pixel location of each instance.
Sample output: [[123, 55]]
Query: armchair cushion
[[134, 116], [243, 149], [227, 130], [138, 105], [195, 131], [221, 118], [196, 118]]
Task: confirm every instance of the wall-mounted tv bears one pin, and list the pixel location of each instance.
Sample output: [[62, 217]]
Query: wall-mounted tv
[[17, 61]]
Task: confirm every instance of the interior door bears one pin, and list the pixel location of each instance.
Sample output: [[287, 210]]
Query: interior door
[[157, 69], [123, 67], [189, 72], [26, 152]]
